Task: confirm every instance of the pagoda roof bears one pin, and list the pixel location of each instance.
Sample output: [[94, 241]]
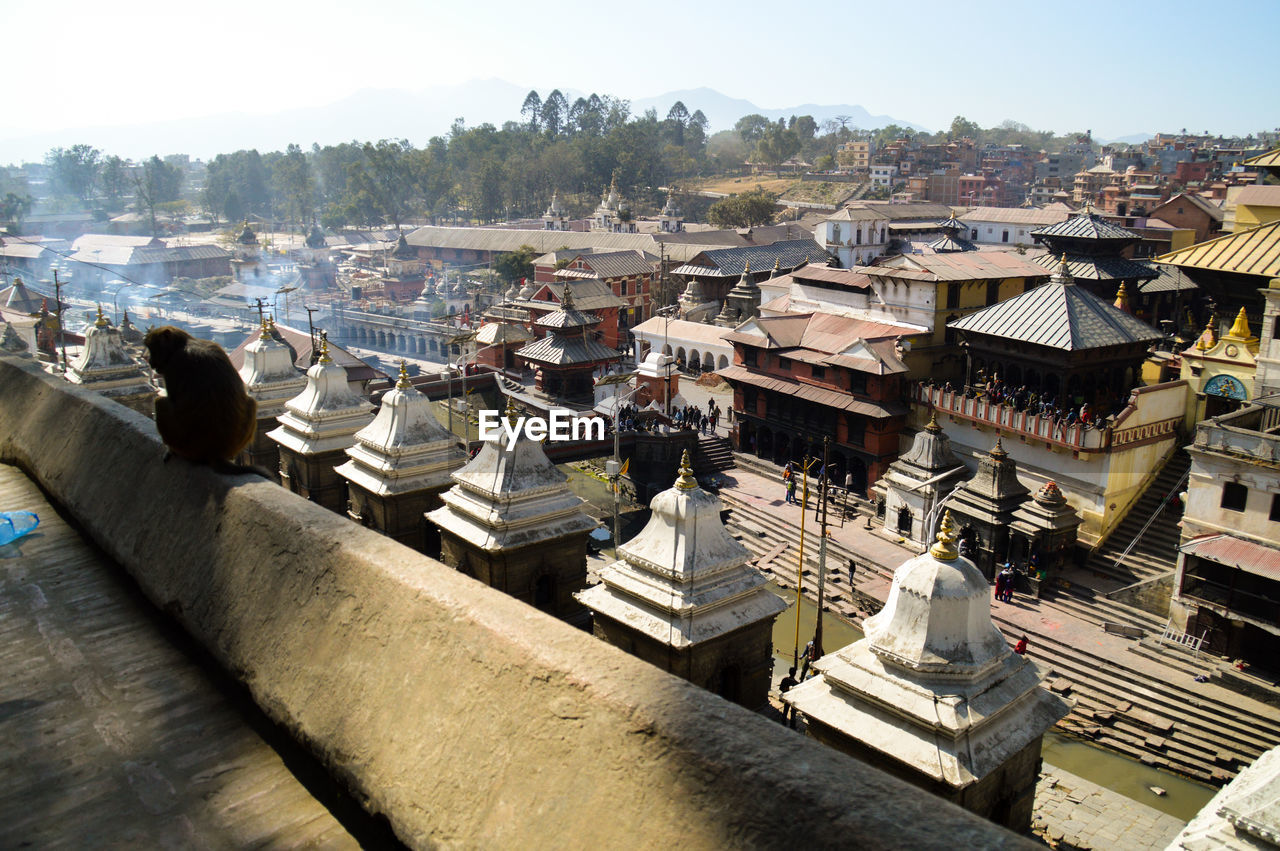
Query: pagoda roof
[[1087, 268], [1271, 159], [1086, 224], [556, 350], [1059, 315], [1252, 252], [732, 262]]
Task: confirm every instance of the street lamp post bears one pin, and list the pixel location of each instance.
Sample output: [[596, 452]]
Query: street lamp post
[[613, 467], [461, 340]]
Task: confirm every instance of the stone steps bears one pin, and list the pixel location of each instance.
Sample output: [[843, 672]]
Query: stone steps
[[1200, 728], [1156, 553]]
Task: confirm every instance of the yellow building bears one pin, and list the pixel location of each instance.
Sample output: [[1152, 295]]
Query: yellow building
[[1255, 205], [1219, 372]]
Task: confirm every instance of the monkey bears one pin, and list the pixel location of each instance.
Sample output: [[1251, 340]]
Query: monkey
[[205, 415]]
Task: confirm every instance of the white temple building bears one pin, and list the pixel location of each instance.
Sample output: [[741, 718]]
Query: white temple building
[[915, 483], [934, 695], [684, 596]]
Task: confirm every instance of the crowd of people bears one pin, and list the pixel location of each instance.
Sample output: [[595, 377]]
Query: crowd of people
[[695, 418], [1064, 412]]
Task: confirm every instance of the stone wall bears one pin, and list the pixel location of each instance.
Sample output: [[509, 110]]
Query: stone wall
[[462, 715]]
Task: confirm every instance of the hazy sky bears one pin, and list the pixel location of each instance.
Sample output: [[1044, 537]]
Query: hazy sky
[[1117, 68]]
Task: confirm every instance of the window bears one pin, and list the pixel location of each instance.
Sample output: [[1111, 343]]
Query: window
[[858, 383], [953, 294], [1234, 496], [1275, 508], [818, 372], [857, 430], [993, 292], [749, 357], [784, 363]]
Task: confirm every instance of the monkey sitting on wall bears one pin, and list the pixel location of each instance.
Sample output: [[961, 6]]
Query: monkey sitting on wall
[[205, 414]]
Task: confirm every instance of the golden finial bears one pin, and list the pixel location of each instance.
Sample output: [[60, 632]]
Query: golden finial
[[1240, 329], [265, 334], [777, 264], [403, 382], [945, 548], [513, 415], [1122, 299], [1208, 338], [324, 350], [933, 427], [101, 321], [685, 481], [997, 451]]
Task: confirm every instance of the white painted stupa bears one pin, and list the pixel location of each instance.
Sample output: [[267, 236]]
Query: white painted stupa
[[405, 448], [510, 498], [105, 367], [1243, 816], [934, 694], [269, 373], [685, 587], [327, 413]]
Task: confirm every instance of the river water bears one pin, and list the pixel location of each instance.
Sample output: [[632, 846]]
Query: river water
[[1120, 774]]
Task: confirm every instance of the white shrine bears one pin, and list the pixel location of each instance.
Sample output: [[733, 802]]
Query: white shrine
[[316, 428], [399, 465], [271, 378], [934, 695], [512, 522], [684, 596], [104, 367]]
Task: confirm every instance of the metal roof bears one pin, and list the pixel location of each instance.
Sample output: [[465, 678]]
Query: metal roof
[[787, 255], [1014, 215], [493, 333], [1236, 552], [1170, 279], [1259, 196], [620, 264], [1271, 159], [959, 266], [922, 210], [1086, 225], [1088, 268], [543, 241], [1251, 252], [1059, 315], [566, 351]]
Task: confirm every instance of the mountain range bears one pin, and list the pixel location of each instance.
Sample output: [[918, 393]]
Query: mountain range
[[373, 114]]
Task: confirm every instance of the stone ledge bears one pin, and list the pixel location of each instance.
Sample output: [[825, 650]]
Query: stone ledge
[[463, 716]]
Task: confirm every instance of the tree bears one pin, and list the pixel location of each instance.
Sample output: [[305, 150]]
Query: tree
[[14, 208], [751, 127], [387, 178], [75, 170], [154, 184], [517, 264], [114, 178], [292, 181], [677, 120], [776, 145], [531, 111], [961, 127], [743, 211], [555, 110]]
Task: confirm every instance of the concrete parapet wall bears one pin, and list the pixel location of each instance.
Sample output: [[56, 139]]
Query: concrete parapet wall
[[465, 717]]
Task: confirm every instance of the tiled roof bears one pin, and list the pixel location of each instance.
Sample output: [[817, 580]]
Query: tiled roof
[[1251, 252], [822, 396], [588, 294], [1059, 316], [1086, 226]]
